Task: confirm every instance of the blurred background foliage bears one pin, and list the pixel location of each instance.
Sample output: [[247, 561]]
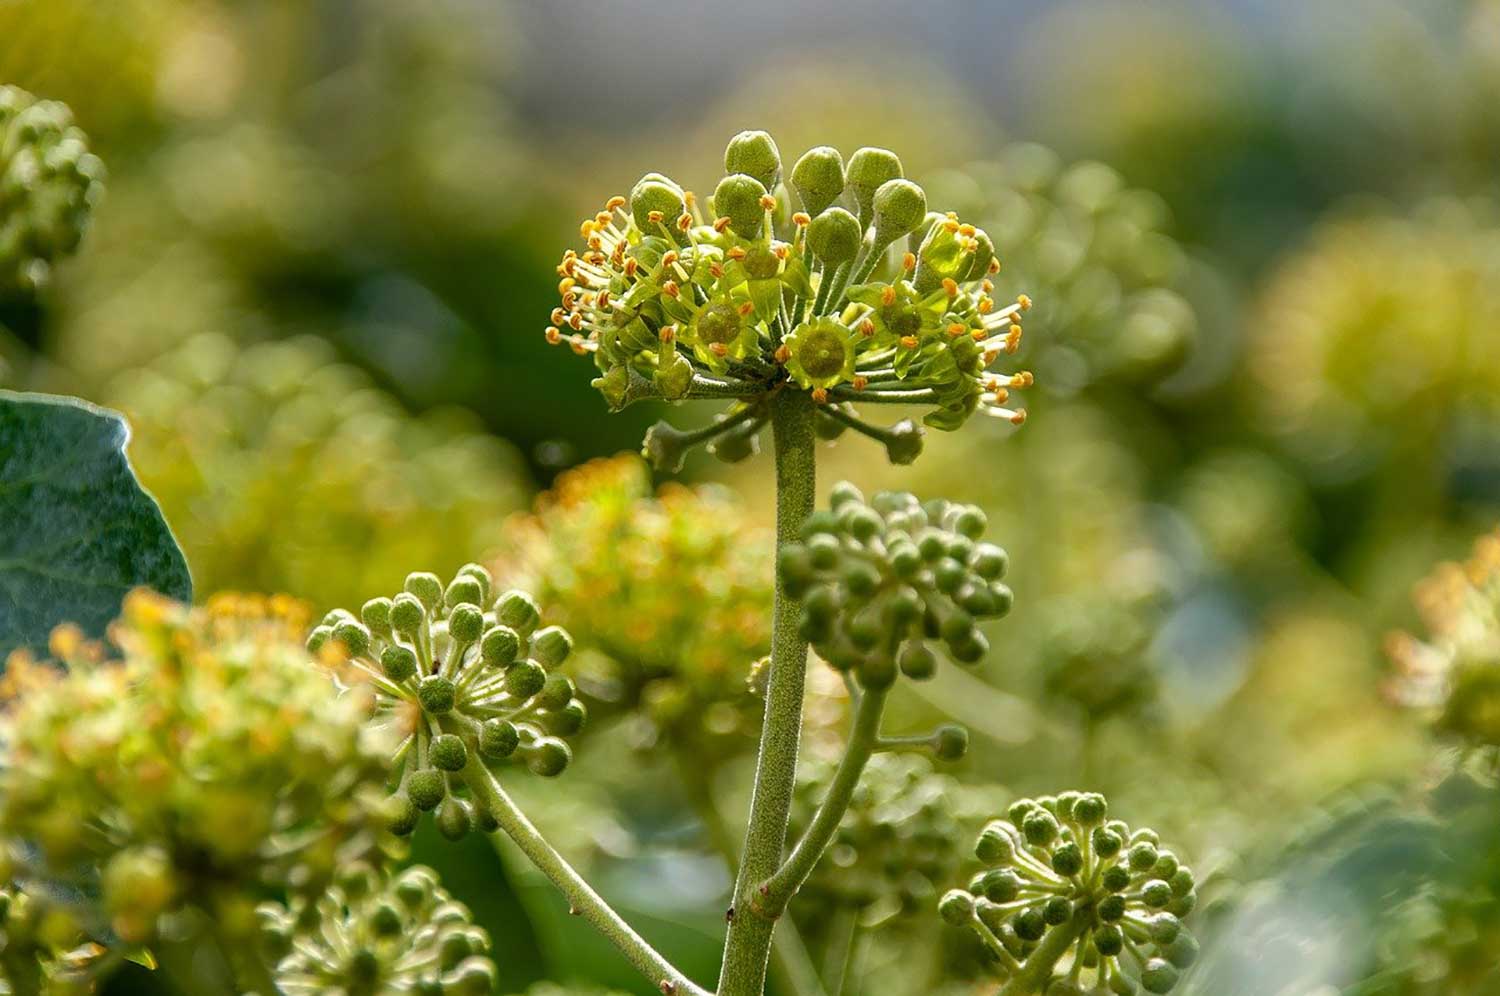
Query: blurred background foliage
[[1264, 242]]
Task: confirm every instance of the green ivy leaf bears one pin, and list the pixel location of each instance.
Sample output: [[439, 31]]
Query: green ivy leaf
[[77, 530]]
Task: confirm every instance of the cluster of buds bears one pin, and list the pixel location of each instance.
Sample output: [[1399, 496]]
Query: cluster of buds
[[1454, 673], [371, 934], [208, 766], [880, 580], [898, 843], [273, 461], [1077, 903], [861, 295], [461, 676], [49, 182], [666, 594]]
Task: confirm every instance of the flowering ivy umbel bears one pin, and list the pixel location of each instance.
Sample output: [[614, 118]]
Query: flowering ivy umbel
[[49, 182], [1075, 903], [835, 279], [458, 673]]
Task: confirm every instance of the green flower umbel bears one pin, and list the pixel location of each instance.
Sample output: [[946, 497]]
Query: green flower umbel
[[371, 935], [459, 674], [861, 296], [878, 581], [1075, 903], [49, 182]]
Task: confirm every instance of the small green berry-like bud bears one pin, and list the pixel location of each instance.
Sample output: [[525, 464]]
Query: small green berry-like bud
[[517, 610], [754, 153], [376, 614], [498, 739], [466, 622], [486, 581], [1183, 951], [464, 590], [917, 661], [354, 637], [499, 646], [818, 178], [427, 588], [426, 788], [318, 638], [1158, 976], [1111, 908], [899, 206], [1164, 928], [738, 198], [552, 645], [834, 238], [448, 752], [995, 845], [407, 614], [525, 679], [868, 169], [453, 819], [557, 693], [401, 814], [1090, 809], [436, 694], [549, 757], [1029, 924], [474, 976], [1156, 893], [568, 720], [956, 907], [656, 195], [1142, 857], [1115, 878], [950, 742], [1057, 911], [1040, 828], [903, 444], [1001, 885], [1067, 860], [1106, 842], [398, 662]]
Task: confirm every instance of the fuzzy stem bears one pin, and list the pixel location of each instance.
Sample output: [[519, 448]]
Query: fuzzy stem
[[579, 894], [1040, 963], [864, 732], [748, 942]]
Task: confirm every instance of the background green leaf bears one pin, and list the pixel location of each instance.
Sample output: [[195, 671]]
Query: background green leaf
[[77, 531]]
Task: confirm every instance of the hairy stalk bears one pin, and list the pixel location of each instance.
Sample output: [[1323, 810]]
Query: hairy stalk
[[580, 895], [864, 732], [1039, 964], [748, 942]]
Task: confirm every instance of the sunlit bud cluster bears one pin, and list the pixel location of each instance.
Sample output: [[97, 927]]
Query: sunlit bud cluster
[[208, 765], [49, 183], [1095, 253], [667, 595], [900, 842], [882, 583], [273, 461], [1073, 897], [461, 675], [1454, 673], [371, 934], [834, 277]]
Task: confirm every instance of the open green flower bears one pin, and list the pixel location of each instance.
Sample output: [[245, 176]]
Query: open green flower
[[861, 297], [458, 673], [49, 182]]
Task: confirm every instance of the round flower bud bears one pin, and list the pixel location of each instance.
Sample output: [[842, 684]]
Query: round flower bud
[[1029, 924], [818, 178], [950, 742], [517, 610], [376, 614], [917, 661], [499, 646], [551, 646], [567, 720], [1057, 911], [525, 679], [463, 590], [549, 756], [1156, 894], [1090, 809], [868, 169], [1109, 940], [956, 907], [481, 574], [656, 195], [448, 753], [402, 815], [426, 788], [426, 587], [466, 622], [354, 637], [1164, 928], [398, 662], [995, 845], [1040, 828], [557, 693], [1183, 951], [738, 198], [754, 153], [474, 976], [1158, 976], [1106, 842], [1067, 860], [903, 442], [436, 694], [453, 819], [1142, 857], [407, 614], [899, 206], [1115, 878], [498, 739], [834, 237]]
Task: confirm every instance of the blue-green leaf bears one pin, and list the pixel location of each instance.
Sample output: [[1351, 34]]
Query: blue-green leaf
[[77, 530]]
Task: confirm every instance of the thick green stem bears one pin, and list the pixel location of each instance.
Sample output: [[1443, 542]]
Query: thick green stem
[[748, 943], [1032, 978], [864, 732], [580, 895]]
